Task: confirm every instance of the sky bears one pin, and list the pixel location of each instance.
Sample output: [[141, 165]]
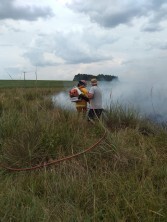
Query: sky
[[57, 39]]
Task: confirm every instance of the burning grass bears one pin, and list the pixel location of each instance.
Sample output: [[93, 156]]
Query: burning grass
[[122, 179]]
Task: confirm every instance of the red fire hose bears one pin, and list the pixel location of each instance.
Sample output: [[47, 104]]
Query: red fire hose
[[54, 161]]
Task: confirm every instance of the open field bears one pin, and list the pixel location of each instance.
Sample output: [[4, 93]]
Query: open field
[[34, 83], [121, 179]]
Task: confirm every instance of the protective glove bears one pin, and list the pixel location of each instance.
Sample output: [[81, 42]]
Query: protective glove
[[82, 96]]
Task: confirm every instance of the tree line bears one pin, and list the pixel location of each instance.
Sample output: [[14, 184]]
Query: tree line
[[99, 77]]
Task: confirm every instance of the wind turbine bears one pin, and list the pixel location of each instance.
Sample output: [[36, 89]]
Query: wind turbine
[[24, 73]]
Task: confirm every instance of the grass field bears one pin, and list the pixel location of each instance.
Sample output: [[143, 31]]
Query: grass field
[[34, 83], [122, 179]]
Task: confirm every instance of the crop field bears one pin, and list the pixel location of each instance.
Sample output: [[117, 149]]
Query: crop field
[[122, 178]]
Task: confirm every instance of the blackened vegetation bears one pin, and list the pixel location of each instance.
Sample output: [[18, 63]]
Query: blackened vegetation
[[99, 77]]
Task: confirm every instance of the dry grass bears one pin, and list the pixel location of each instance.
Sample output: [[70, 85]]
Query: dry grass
[[123, 179]]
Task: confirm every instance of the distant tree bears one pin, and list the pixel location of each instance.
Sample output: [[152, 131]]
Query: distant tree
[[99, 77]]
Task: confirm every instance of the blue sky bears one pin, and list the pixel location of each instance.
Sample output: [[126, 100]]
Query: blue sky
[[61, 38]]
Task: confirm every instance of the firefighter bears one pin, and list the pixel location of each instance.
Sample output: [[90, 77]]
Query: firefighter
[[81, 104]]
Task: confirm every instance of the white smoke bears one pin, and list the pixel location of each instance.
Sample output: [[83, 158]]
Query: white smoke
[[149, 99], [62, 100]]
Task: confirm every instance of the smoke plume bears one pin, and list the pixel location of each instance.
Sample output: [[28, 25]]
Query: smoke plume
[[149, 99]]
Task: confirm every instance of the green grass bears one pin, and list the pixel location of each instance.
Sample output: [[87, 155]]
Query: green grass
[[123, 179], [34, 83]]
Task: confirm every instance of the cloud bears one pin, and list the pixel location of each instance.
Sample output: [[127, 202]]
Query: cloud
[[9, 10], [37, 57], [6, 45], [158, 14], [70, 48], [124, 38], [112, 14], [157, 45], [163, 46], [151, 27]]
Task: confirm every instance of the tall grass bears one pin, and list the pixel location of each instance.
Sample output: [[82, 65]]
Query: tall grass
[[122, 179]]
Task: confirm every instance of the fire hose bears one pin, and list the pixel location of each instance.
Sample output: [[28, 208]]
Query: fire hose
[[57, 161]]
